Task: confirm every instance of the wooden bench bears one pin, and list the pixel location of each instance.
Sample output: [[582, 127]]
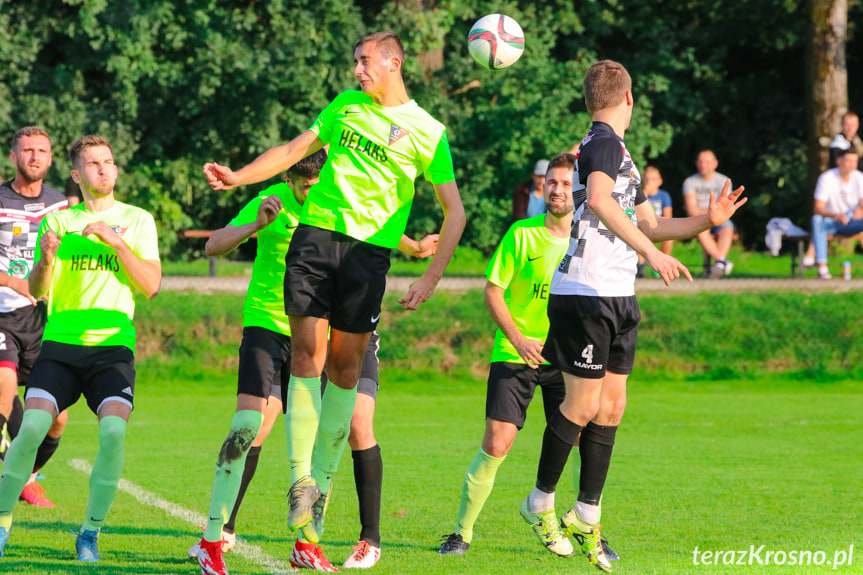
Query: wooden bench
[[797, 255]]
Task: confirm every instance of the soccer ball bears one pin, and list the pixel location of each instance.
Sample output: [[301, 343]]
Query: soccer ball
[[496, 41]]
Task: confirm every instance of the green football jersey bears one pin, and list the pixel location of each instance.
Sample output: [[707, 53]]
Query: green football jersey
[[91, 300], [265, 301], [523, 266], [366, 187]]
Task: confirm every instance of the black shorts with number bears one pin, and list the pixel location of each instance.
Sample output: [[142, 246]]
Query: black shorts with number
[[63, 372], [21, 338], [511, 387], [335, 277], [589, 335]]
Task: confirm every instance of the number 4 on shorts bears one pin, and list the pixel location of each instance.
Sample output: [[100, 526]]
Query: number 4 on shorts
[[587, 353]]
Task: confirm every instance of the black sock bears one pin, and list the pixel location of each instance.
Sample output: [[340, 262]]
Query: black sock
[[46, 450], [595, 447], [2, 423], [369, 475], [248, 473], [557, 441], [13, 423]]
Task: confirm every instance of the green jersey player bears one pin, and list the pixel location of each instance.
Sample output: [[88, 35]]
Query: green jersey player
[[380, 141], [519, 277], [265, 354], [90, 260]]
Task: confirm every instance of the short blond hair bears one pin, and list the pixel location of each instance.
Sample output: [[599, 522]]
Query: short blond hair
[[605, 85]]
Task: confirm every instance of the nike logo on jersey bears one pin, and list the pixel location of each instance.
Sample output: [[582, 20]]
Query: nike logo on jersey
[[530, 259], [375, 318], [352, 111]]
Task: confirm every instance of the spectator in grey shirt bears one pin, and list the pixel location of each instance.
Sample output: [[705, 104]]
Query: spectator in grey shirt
[[716, 242]]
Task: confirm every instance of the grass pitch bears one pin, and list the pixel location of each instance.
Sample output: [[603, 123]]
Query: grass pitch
[[716, 464]]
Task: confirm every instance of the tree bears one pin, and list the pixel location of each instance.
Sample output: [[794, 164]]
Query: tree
[[827, 78]]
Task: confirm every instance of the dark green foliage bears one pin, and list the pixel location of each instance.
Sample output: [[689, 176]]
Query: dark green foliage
[[174, 83]]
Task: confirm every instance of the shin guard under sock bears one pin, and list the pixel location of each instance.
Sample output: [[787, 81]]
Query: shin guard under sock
[[557, 441]]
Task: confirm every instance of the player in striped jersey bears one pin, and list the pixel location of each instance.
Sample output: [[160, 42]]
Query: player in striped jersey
[[24, 201], [593, 312]]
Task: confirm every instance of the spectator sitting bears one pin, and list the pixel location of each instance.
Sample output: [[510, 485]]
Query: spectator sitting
[[660, 201], [838, 205], [848, 139], [716, 242], [527, 200]]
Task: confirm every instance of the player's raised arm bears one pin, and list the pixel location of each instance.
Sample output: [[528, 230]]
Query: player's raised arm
[[719, 211], [227, 239], [40, 277], [599, 200], [453, 225], [265, 166], [145, 275]]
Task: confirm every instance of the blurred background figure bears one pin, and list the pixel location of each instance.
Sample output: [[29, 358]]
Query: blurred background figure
[[527, 200]]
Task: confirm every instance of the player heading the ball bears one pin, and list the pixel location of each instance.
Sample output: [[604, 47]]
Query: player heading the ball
[[380, 141]]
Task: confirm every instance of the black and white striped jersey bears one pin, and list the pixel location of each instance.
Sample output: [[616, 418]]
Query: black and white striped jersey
[[597, 262], [20, 218]]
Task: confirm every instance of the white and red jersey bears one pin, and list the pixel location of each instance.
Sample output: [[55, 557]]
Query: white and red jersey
[[598, 263], [20, 218]]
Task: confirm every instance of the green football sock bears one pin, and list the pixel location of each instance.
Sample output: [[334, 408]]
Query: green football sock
[[478, 483], [336, 412], [229, 469], [19, 461], [106, 471], [303, 412]]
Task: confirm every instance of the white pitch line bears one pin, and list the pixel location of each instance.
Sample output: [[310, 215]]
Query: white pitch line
[[251, 552]]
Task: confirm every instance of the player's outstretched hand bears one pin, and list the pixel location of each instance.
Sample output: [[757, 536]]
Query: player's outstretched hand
[[48, 244], [427, 246], [530, 351], [220, 177], [105, 233], [268, 211], [722, 209], [667, 267], [419, 293]]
